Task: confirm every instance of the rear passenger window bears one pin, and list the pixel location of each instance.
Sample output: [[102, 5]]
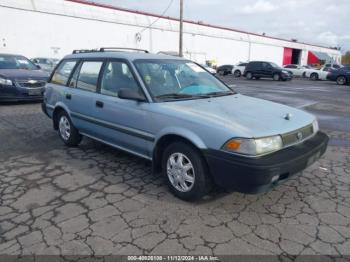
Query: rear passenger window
[[117, 75], [88, 75], [63, 72]]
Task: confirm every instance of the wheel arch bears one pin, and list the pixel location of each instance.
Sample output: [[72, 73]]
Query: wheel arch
[[315, 74], [237, 70], [166, 139], [58, 108]]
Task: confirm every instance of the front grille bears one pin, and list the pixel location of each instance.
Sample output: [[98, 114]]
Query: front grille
[[31, 83], [297, 135]]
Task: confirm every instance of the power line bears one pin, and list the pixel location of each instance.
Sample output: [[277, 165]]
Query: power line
[[156, 20]]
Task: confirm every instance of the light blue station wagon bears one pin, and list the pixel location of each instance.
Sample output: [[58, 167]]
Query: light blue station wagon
[[196, 130]]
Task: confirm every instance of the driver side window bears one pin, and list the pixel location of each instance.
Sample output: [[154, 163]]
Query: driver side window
[[266, 65], [117, 75]]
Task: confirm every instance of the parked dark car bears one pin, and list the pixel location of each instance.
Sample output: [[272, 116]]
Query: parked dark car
[[341, 76], [261, 69], [224, 70], [20, 79]]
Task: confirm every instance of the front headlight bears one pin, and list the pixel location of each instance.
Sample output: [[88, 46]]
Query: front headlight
[[5, 82], [315, 126], [253, 147]]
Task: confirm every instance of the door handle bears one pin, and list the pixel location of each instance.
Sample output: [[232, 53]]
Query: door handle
[[99, 104], [69, 96]]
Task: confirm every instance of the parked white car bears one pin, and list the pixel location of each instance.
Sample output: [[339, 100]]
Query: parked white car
[[321, 74], [238, 69], [298, 70]]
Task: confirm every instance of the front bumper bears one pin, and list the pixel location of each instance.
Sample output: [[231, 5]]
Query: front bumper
[[255, 175], [331, 77], [13, 94], [286, 77], [20, 98]]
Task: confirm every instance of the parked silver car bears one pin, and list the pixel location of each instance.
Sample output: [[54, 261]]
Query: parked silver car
[[46, 64], [196, 130]]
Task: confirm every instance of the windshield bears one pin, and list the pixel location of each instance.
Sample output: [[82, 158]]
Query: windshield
[[274, 65], [179, 79], [45, 61], [16, 62], [337, 66]]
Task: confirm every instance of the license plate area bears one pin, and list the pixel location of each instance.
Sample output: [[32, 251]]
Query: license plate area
[[34, 92], [313, 158]]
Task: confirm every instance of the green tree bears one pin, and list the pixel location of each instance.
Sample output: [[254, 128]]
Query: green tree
[[346, 58]]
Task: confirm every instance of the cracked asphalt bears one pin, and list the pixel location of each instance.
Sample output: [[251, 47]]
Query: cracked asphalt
[[97, 200]]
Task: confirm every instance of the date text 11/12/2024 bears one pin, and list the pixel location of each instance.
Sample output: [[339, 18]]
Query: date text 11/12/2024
[[173, 258]]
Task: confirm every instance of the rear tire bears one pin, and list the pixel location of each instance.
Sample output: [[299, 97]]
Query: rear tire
[[314, 76], [237, 73], [249, 76], [341, 80], [66, 130], [186, 171]]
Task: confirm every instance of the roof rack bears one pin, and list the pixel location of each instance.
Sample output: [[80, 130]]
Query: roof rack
[[104, 49], [85, 51]]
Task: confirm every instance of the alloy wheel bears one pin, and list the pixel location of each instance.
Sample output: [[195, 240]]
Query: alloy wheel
[[341, 80], [180, 172], [64, 127]]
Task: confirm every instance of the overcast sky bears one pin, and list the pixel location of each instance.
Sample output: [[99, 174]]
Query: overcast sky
[[324, 22]]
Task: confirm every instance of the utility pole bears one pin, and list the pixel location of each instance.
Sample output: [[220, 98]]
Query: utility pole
[[181, 28]]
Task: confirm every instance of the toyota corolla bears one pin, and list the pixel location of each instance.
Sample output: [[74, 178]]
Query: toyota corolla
[[196, 130]]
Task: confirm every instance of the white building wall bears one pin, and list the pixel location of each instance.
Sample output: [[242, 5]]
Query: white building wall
[[55, 27], [266, 53]]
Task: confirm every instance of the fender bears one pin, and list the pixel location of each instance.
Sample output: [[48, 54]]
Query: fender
[[183, 132], [65, 108]]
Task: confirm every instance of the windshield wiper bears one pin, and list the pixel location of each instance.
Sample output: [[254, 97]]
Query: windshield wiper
[[181, 95], [174, 95], [220, 93]]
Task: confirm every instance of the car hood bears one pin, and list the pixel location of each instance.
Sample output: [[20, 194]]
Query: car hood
[[244, 116], [23, 74]]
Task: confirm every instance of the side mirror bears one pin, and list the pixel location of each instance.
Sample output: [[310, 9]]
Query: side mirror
[[37, 66], [131, 94]]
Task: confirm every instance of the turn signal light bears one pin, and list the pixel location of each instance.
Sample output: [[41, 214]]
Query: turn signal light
[[232, 145]]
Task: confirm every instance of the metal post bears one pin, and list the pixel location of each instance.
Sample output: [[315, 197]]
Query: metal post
[[181, 29]]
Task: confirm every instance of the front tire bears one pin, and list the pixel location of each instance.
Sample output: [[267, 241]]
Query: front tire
[[276, 77], [341, 80], [314, 76], [186, 171], [66, 130], [237, 73]]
